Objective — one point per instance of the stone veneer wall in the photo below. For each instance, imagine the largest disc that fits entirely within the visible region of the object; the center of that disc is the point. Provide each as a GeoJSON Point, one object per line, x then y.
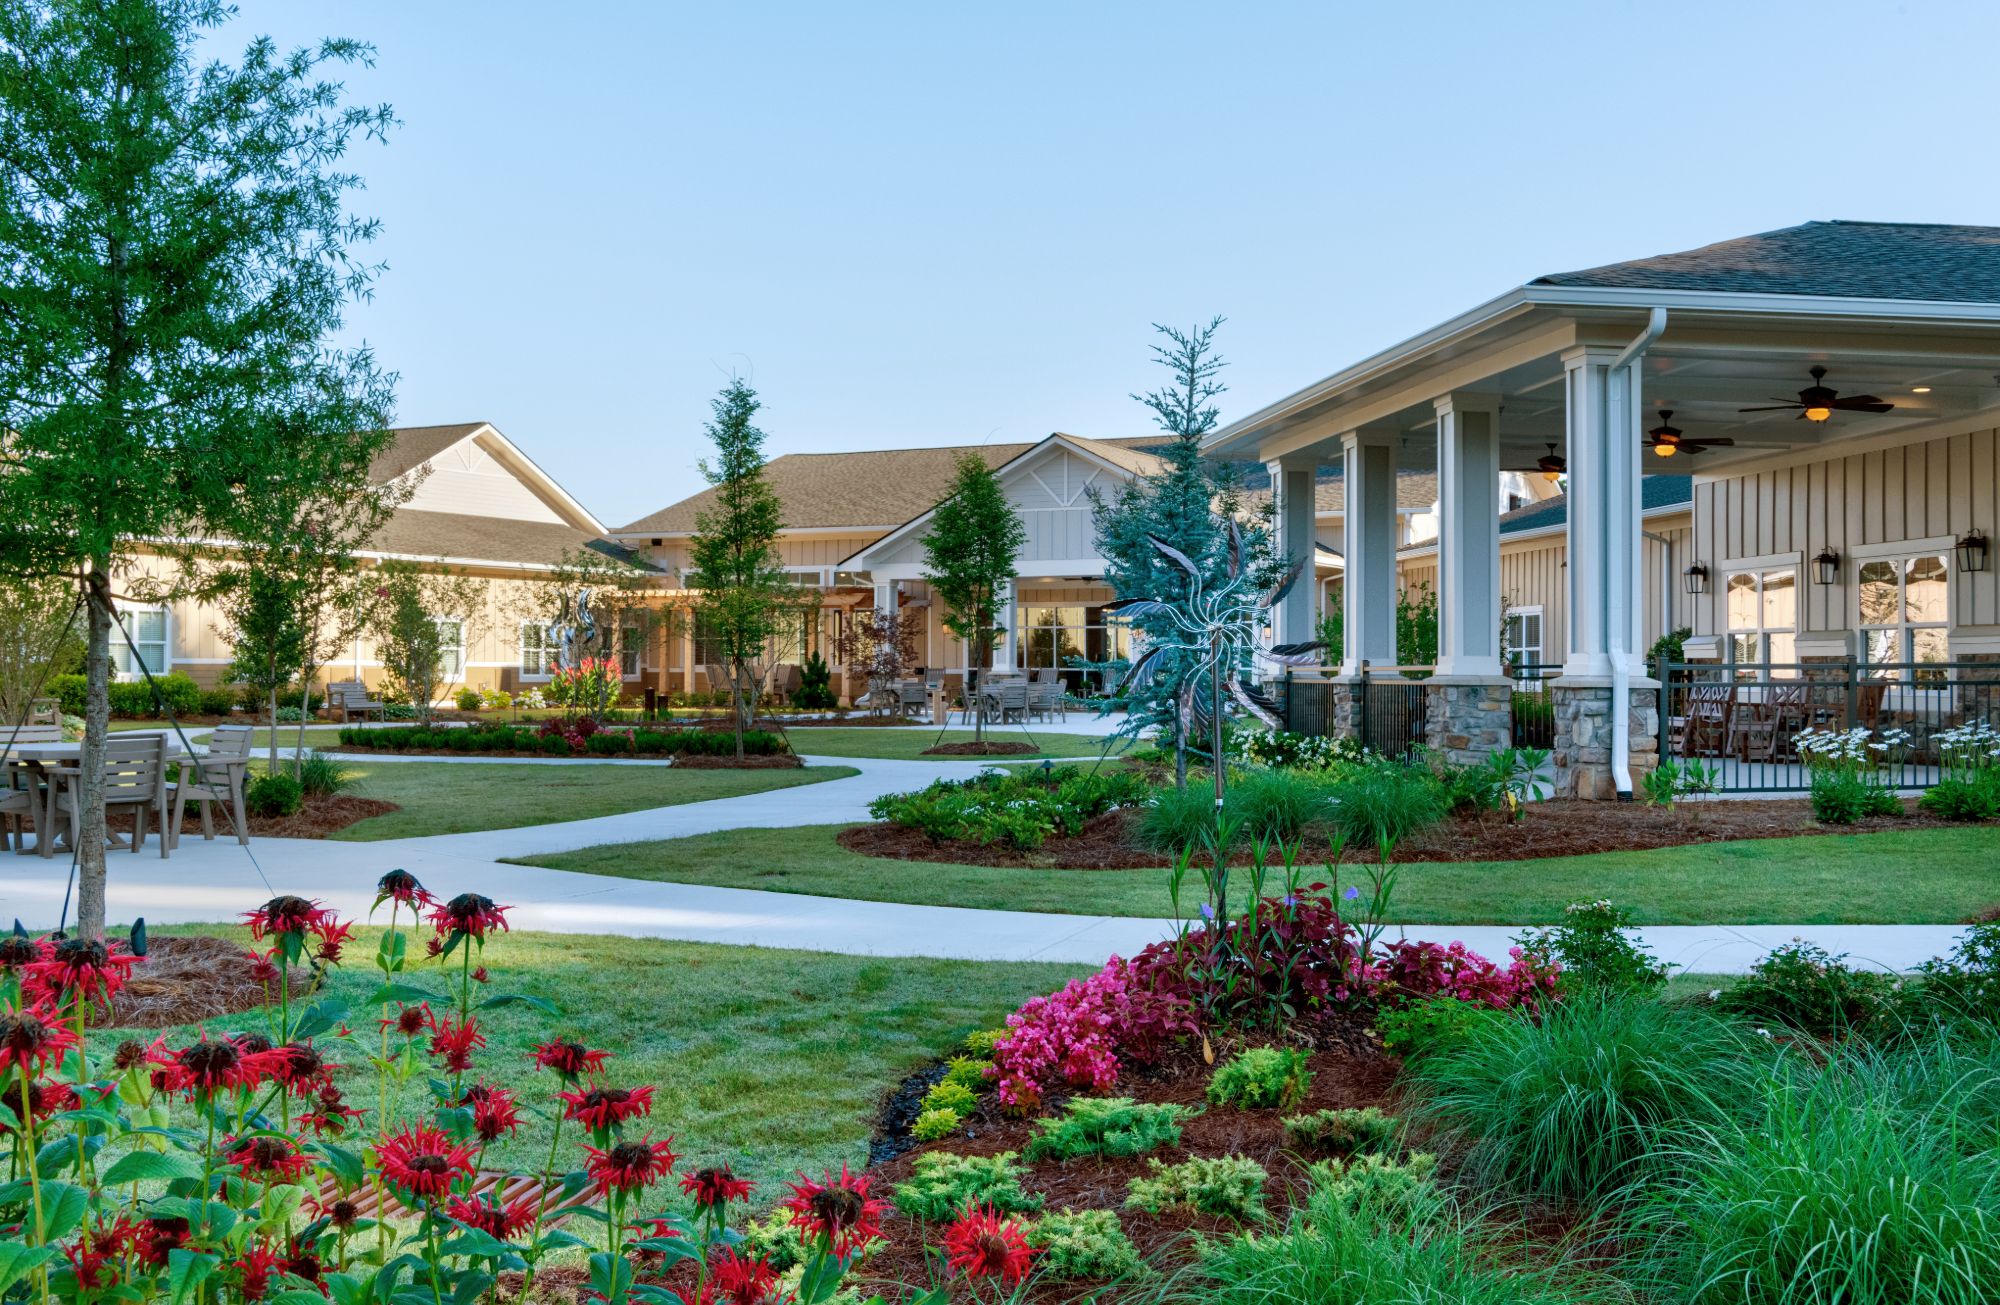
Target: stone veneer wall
{"type": "Point", "coordinates": [1469, 721]}
{"type": "Point", "coordinates": [1582, 753]}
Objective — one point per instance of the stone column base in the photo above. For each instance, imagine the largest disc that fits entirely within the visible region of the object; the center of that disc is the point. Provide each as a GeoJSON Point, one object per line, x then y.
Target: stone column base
{"type": "Point", "coordinates": [1468, 718]}
{"type": "Point", "coordinates": [1582, 754]}
{"type": "Point", "coordinates": [1346, 713]}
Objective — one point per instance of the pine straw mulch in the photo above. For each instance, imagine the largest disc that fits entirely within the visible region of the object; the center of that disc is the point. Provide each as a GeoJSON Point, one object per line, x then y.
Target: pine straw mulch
{"type": "Point", "coordinates": [196, 977]}
{"type": "Point", "coordinates": [1555, 828]}
{"type": "Point", "coordinates": [700, 761]}
{"type": "Point", "coordinates": [990, 748]}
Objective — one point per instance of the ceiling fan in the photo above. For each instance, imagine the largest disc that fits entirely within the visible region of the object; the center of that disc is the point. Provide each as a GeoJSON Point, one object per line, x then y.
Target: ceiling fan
{"type": "Point", "coordinates": [1665, 440]}
{"type": "Point", "coordinates": [1551, 465]}
{"type": "Point", "coordinates": [1817, 403]}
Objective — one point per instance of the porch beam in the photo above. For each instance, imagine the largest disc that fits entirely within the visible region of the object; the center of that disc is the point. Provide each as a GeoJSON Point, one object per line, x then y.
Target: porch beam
{"type": "Point", "coordinates": [1469, 536]}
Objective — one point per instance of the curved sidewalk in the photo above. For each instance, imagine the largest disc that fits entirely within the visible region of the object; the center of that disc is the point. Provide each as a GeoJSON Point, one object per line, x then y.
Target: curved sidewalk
{"type": "Point", "coordinates": [217, 881]}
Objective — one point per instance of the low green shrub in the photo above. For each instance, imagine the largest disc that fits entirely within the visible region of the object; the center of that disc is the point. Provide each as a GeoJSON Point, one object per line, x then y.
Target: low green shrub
{"type": "Point", "coordinates": [1231, 1186]}
{"type": "Point", "coordinates": [1004, 808]}
{"type": "Point", "coordinates": [273, 795]}
{"type": "Point", "coordinates": [1596, 950]}
{"type": "Point", "coordinates": [320, 775]}
{"type": "Point", "coordinates": [1377, 1180]}
{"type": "Point", "coordinates": [172, 693]}
{"type": "Point", "coordinates": [1277, 806]}
{"type": "Point", "coordinates": [776, 1240]}
{"type": "Point", "coordinates": [1261, 1078]}
{"type": "Point", "coordinates": [1084, 1244]}
{"type": "Point", "coordinates": [217, 702]}
{"type": "Point", "coordinates": [1964, 799]}
{"type": "Point", "coordinates": [467, 699]}
{"type": "Point", "coordinates": [980, 1042]}
{"type": "Point", "coordinates": [69, 690]}
{"type": "Point", "coordinates": [1107, 1126]}
{"type": "Point", "coordinates": [935, 1123]}
{"type": "Point", "coordinates": [1417, 1028]}
{"type": "Point", "coordinates": [1963, 985]}
{"type": "Point", "coordinates": [609, 743]}
{"type": "Point", "coordinates": [1381, 804]}
{"type": "Point", "coordinates": [1176, 819]}
{"type": "Point", "coordinates": [1581, 1100]}
{"type": "Point", "coordinates": [1344, 1132]}
{"type": "Point", "coordinates": [1290, 751]}
{"type": "Point", "coordinates": [1841, 797]}
{"type": "Point", "coordinates": [1804, 987]}
{"type": "Point", "coordinates": [941, 1185]}
{"type": "Point", "coordinates": [968, 1072]}
{"type": "Point", "coordinates": [951, 1096]}
{"type": "Point", "coordinates": [556, 745]}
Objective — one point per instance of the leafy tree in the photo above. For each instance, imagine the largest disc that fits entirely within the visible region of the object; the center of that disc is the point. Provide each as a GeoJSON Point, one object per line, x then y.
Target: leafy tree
{"type": "Point", "coordinates": [261, 610]}
{"type": "Point", "coordinates": [411, 604]}
{"type": "Point", "coordinates": [1417, 626]}
{"type": "Point", "coordinates": [969, 558]}
{"type": "Point", "coordinates": [741, 589]}
{"type": "Point", "coordinates": [178, 252]}
{"type": "Point", "coordinates": [40, 636]}
{"type": "Point", "coordinates": [881, 645]}
{"type": "Point", "coordinates": [1187, 504]}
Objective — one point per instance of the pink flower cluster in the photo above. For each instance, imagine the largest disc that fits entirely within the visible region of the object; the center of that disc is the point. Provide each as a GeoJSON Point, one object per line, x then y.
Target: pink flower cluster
{"type": "Point", "coordinates": [1410, 971]}
{"type": "Point", "coordinates": [1077, 1034]}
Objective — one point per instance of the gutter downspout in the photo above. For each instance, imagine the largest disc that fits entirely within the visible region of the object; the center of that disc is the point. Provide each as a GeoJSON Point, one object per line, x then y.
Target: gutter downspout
{"type": "Point", "coordinates": [1617, 601]}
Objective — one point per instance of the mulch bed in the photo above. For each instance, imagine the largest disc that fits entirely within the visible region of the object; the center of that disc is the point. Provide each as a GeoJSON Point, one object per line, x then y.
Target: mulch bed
{"type": "Point", "coordinates": [988, 749]}
{"type": "Point", "coordinates": [702, 761]}
{"type": "Point", "coordinates": [1556, 828]}
{"type": "Point", "coordinates": [185, 979]}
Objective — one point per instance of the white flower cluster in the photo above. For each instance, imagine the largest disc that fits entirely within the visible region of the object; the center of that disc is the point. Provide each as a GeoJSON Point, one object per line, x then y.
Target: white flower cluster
{"type": "Point", "coordinates": [532, 699]}
{"type": "Point", "coordinates": [1971, 746]}
{"type": "Point", "coordinates": [1857, 747]}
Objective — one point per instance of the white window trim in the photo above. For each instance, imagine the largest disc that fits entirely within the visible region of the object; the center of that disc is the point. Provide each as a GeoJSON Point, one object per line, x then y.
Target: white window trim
{"type": "Point", "coordinates": [521, 663]}
{"type": "Point", "coordinates": [457, 676]}
{"type": "Point", "coordinates": [638, 653]}
{"type": "Point", "coordinates": [1934, 545]}
{"type": "Point", "coordinates": [1541, 644]}
{"type": "Point", "coordinates": [1938, 546]}
{"type": "Point", "coordinates": [1795, 563]}
{"type": "Point", "coordinates": [166, 639]}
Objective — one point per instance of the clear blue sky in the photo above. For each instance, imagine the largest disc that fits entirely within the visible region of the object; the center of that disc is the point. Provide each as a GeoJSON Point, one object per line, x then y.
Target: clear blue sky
{"type": "Point", "coordinates": [944, 223]}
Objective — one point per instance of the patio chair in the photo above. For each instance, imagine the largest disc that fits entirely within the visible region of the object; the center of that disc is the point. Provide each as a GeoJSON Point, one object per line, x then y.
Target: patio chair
{"type": "Point", "coordinates": [1045, 699]}
{"type": "Point", "coordinates": [45, 711]}
{"type": "Point", "coordinates": [1705, 726]}
{"type": "Point", "coordinates": [135, 777]}
{"type": "Point", "coordinates": [1008, 701]}
{"type": "Point", "coordinates": [20, 797]}
{"type": "Point", "coordinates": [912, 697]}
{"type": "Point", "coordinates": [785, 680]}
{"type": "Point", "coordinates": [216, 776]}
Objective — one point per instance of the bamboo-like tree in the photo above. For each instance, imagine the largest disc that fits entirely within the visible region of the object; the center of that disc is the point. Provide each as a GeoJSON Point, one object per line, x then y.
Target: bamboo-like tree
{"type": "Point", "coordinates": [742, 591]}
{"type": "Point", "coordinates": [970, 554]}
{"type": "Point", "coordinates": [178, 251]}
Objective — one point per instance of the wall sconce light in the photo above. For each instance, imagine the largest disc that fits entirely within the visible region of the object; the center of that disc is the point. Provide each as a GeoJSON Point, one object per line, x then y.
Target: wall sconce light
{"type": "Point", "coordinates": [1826, 567]}
{"type": "Point", "coordinates": [1695, 578]}
{"type": "Point", "coordinates": [1971, 550]}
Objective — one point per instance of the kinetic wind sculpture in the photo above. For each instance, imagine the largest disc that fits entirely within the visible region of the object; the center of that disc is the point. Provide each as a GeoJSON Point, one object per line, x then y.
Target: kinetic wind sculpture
{"type": "Point", "coordinates": [1210, 638]}
{"type": "Point", "coordinates": [573, 621]}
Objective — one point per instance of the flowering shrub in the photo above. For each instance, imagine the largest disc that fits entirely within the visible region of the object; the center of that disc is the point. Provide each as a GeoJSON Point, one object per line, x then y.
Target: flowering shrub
{"type": "Point", "coordinates": [1593, 947]}
{"type": "Point", "coordinates": [1420, 970]}
{"type": "Point", "coordinates": [589, 686]}
{"type": "Point", "coordinates": [1849, 771]}
{"type": "Point", "coordinates": [1009, 809]}
{"type": "Point", "coordinates": [1077, 1034]}
{"type": "Point", "coordinates": [1290, 751]}
{"type": "Point", "coordinates": [1804, 987]}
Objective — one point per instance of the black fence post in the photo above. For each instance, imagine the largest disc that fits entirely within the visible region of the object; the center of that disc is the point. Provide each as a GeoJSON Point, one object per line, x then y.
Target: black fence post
{"type": "Point", "coordinates": [1361, 724]}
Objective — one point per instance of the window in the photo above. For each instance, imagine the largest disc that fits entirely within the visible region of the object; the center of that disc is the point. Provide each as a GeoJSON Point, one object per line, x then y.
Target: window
{"type": "Point", "coordinates": [707, 643]}
{"type": "Point", "coordinates": [631, 642]}
{"type": "Point", "coordinates": [146, 628]}
{"type": "Point", "coordinates": [1055, 636]}
{"type": "Point", "coordinates": [1522, 636]}
{"type": "Point", "coordinates": [1763, 612]}
{"type": "Point", "coordinates": [1903, 613]}
{"type": "Point", "coordinates": [538, 649]}
{"type": "Point", "coordinates": [451, 647]}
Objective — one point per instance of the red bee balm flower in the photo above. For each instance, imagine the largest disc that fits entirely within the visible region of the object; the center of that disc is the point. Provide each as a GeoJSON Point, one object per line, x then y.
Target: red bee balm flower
{"type": "Point", "coordinates": [209, 1067]}
{"type": "Point", "coordinates": [744, 1281]}
{"type": "Point", "coordinates": [838, 1209]}
{"type": "Point", "coordinates": [44, 1099]}
{"type": "Point", "coordinates": [423, 1161]}
{"type": "Point", "coordinates": [714, 1187]}
{"type": "Point", "coordinates": [266, 1157]}
{"type": "Point", "coordinates": [92, 1254]}
{"type": "Point", "coordinates": [286, 915]}
{"type": "Point", "coordinates": [570, 1059]}
{"type": "Point", "coordinates": [454, 1043]}
{"type": "Point", "coordinates": [493, 1111]}
{"type": "Point", "coordinates": [154, 1238]}
{"type": "Point", "coordinates": [332, 935]}
{"type": "Point", "coordinates": [257, 1267]}
{"type": "Point", "coordinates": [469, 914]}
{"type": "Point", "coordinates": [604, 1108]}
{"type": "Point", "coordinates": [483, 1213]}
{"type": "Point", "coordinates": [629, 1166]}
{"type": "Point", "coordinates": [31, 1037]}
{"type": "Point", "coordinates": [402, 886]}
{"type": "Point", "coordinates": [410, 1020]}
{"type": "Point", "coordinates": [981, 1244]}
{"type": "Point", "coordinates": [299, 1068]}
{"type": "Point", "coordinates": [77, 967]}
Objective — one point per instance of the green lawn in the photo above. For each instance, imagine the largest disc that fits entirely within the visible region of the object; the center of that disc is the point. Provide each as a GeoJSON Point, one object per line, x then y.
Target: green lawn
{"type": "Point", "coordinates": [445, 798]}
{"type": "Point", "coordinates": [1923, 876]}
{"type": "Point", "coordinates": [770, 1060]}
{"type": "Point", "coordinates": [907, 744]}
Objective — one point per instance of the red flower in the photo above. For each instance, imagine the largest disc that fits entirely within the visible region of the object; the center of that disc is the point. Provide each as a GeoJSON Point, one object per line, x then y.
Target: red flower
{"type": "Point", "coordinates": [454, 1043]}
{"type": "Point", "coordinates": [44, 1099]}
{"type": "Point", "coordinates": [479, 974]}
{"type": "Point", "coordinates": [155, 1237]}
{"type": "Point", "coordinates": [262, 970]}
{"type": "Point", "coordinates": [493, 1111]}
{"type": "Point", "coordinates": [31, 1037]}
{"type": "Point", "coordinates": [469, 914]}
{"type": "Point", "coordinates": [206, 1067]}
{"type": "Point", "coordinates": [487, 1215]}
{"type": "Point", "coordinates": [570, 1059]}
{"type": "Point", "coordinates": [286, 915]}
{"type": "Point", "coordinates": [410, 1020]}
{"type": "Point", "coordinates": [332, 935]}
{"type": "Point", "coordinates": [266, 1156]}
{"type": "Point", "coordinates": [745, 1281]}
{"type": "Point", "coordinates": [77, 968]}
{"type": "Point", "coordinates": [92, 1250]}
{"type": "Point", "coordinates": [300, 1262]}
{"type": "Point", "coordinates": [257, 1266]}
{"type": "Point", "coordinates": [423, 1161]}
{"type": "Point", "coordinates": [341, 1212]}
{"type": "Point", "coordinates": [630, 1166]}
{"type": "Point", "coordinates": [604, 1108]}
{"type": "Point", "coordinates": [331, 1115]}
{"type": "Point", "coordinates": [299, 1068]}
{"type": "Point", "coordinates": [837, 1209]}
{"type": "Point", "coordinates": [17, 952]}
{"type": "Point", "coordinates": [401, 886]}
{"type": "Point", "coordinates": [697, 1293]}
{"type": "Point", "coordinates": [981, 1244]}
{"type": "Point", "coordinates": [715, 1186]}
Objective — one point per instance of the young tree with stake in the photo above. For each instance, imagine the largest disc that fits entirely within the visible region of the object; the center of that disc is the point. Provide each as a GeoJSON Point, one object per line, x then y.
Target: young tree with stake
{"type": "Point", "coordinates": [178, 253]}
{"type": "Point", "coordinates": [970, 553]}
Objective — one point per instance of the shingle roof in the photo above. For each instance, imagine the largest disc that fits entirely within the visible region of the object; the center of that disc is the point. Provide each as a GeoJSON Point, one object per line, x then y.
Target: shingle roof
{"type": "Point", "coordinates": [879, 487]}
{"type": "Point", "coordinates": [414, 445]}
{"type": "Point", "coordinates": [413, 533]}
{"type": "Point", "coordinates": [1654, 492]}
{"type": "Point", "coordinates": [1867, 260]}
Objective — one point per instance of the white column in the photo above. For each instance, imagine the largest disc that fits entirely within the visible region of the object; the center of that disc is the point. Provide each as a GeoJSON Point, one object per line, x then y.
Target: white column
{"type": "Point", "coordinates": [885, 596]}
{"type": "Point", "coordinates": [1003, 647]}
{"type": "Point", "coordinates": [1368, 551]}
{"type": "Point", "coordinates": [1607, 581]}
{"type": "Point", "coordinates": [1292, 485]}
{"type": "Point", "coordinates": [1468, 536]}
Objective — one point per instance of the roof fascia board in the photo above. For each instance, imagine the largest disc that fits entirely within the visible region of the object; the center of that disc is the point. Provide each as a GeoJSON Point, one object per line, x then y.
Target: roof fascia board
{"type": "Point", "coordinates": [785, 532]}
{"type": "Point", "coordinates": [1545, 532]}
{"type": "Point", "coordinates": [544, 485]}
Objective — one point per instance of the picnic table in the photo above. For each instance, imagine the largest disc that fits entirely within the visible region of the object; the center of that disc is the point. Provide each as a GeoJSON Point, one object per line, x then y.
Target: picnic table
{"type": "Point", "coordinates": [52, 765]}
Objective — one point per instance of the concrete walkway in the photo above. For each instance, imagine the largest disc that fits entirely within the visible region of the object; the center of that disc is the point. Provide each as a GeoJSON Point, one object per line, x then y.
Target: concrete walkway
{"type": "Point", "coordinates": [216, 881]}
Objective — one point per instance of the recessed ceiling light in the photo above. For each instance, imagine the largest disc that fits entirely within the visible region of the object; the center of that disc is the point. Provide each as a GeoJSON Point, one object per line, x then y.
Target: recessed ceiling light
{"type": "Point", "coordinates": [1920, 389]}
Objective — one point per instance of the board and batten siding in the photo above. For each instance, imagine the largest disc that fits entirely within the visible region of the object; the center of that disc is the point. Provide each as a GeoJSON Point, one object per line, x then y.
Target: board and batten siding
{"type": "Point", "coordinates": [1926, 489]}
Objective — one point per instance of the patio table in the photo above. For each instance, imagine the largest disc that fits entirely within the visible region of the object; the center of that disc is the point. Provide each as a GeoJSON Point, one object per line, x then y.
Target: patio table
{"type": "Point", "coordinates": [47, 761]}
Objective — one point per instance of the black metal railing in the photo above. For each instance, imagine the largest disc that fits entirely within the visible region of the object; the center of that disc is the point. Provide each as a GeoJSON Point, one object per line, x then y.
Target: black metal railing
{"type": "Point", "coordinates": [1533, 709]}
{"type": "Point", "coordinates": [1746, 719]}
{"type": "Point", "coordinates": [1392, 711]}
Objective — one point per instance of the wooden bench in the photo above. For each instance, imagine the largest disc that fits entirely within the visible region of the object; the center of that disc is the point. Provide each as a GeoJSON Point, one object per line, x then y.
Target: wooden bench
{"type": "Point", "coordinates": [350, 696]}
